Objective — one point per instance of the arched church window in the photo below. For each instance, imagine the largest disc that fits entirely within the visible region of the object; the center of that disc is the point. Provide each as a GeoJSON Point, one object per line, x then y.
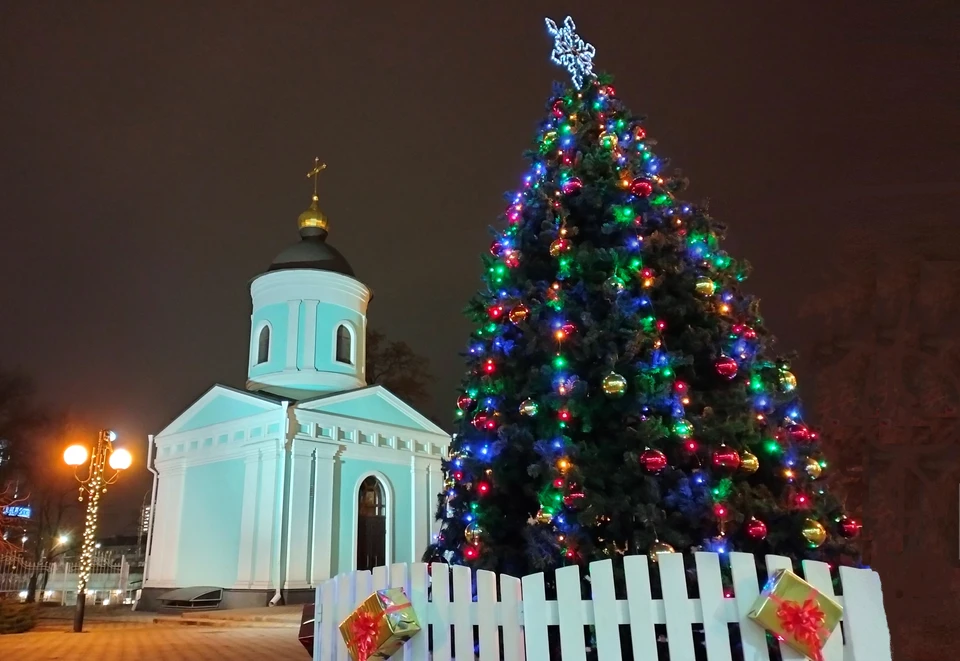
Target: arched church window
{"type": "Point", "coordinates": [263, 345]}
{"type": "Point", "coordinates": [371, 525]}
{"type": "Point", "coordinates": [344, 345]}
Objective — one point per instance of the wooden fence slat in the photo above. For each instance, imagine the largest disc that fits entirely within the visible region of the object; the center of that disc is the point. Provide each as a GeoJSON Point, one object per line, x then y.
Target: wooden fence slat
{"type": "Point", "coordinates": [487, 611]}
{"type": "Point", "coordinates": [746, 589]}
{"type": "Point", "coordinates": [398, 577]}
{"type": "Point", "coordinates": [418, 648]}
{"type": "Point", "coordinates": [817, 574]}
{"type": "Point", "coordinates": [864, 620]}
{"type": "Point", "coordinates": [347, 601]}
{"type": "Point", "coordinates": [511, 597]}
{"type": "Point", "coordinates": [604, 596]}
{"type": "Point", "coordinates": [570, 611]}
{"type": "Point", "coordinates": [381, 579]}
{"type": "Point", "coordinates": [325, 626]}
{"type": "Point", "coordinates": [714, 607]}
{"type": "Point", "coordinates": [775, 562]}
{"type": "Point", "coordinates": [676, 605]}
{"type": "Point", "coordinates": [462, 621]}
{"type": "Point", "coordinates": [535, 617]}
{"type": "Point", "coordinates": [643, 633]}
{"type": "Point", "coordinates": [441, 612]}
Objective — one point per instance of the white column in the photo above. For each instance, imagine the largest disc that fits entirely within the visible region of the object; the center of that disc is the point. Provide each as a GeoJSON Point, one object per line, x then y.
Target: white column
{"type": "Point", "coordinates": [269, 499]}
{"type": "Point", "coordinates": [293, 333]}
{"type": "Point", "coordinates": [298, 551]}
{"type": "Point", "coordinates": [422, 516]}
{"type": "Point", "coordinates": [167, 525]}
{"type": "Point", "coordinates": [434, 487]}
{"type": "Point", "coordinates": [248, 520]}
{"type": "Point", "coordinates": [309, 338]}
{"type": "Point", "coordinates": [324, 491]}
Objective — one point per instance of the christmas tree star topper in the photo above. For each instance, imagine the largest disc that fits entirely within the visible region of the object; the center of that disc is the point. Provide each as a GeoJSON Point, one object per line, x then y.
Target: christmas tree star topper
{"type": "Point", "coordinates": [571, 51]}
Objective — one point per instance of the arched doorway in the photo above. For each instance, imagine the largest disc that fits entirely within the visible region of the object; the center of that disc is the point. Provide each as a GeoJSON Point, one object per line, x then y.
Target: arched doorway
{"type": "Point", "coordinates": [371, 525]}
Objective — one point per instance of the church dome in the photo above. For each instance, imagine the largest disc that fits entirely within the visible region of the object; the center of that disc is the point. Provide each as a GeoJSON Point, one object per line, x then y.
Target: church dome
{"type": "Point", "coordinates": [312, 252]}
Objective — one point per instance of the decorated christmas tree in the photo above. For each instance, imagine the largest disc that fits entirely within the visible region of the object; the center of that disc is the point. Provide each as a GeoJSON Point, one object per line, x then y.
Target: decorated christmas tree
{"type": "Point", "coordinates": [622, 393]}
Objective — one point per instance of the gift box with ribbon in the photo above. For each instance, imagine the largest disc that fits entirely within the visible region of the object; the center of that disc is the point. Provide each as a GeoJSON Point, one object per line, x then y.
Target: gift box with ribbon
{"type": "Point", "coordinates": [379, 626]}
{"type": "Point", "coordinates": [797, 613]}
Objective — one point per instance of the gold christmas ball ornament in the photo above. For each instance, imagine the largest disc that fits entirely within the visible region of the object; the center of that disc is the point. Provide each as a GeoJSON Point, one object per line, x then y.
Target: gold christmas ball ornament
{"type": "Point", "coordinates": [519, 313]}
{"type": "Point", "coordinates": [472, 533]}
{"type": "Point", "coordinates": [657, 548]}
{"type": "Point", "coordinates": [609, 140]}
{"type": "Point", "coordinates": [528, 407]}
{"type": "Point", "coordinates": [559, 246]}
{"type": "Point", "coordinates": [749, 463]}
{"type": "Point", "coordinates": [787, 381]}
{"type": "Point", "coordinates": [705, 286]}
{"type": "Point", "coordinates": [812, 468]}
{"type": "Point", "coordinates": [814, 533]}
{"type": "Point", "coordinates": [614, 384]}
{"type": "Point", "coordinates": [544, 516]}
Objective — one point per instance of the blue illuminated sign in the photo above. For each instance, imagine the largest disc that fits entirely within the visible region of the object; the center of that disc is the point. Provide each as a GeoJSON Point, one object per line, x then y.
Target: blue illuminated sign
{"type": "Point", "coordinates": [16, 511]}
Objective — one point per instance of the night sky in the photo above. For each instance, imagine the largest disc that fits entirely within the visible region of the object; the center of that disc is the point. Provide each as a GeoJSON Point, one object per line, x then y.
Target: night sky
{"type": "Point", "coordinates": [153, 160]}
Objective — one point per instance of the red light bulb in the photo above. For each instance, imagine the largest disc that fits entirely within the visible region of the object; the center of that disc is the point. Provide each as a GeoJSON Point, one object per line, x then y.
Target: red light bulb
{"type": "Point", "coordinates": [483, 488]}
{"type": "Point", "coordinates": [471, 552]}
{"type": "Point", "coordinates": [489, 366]}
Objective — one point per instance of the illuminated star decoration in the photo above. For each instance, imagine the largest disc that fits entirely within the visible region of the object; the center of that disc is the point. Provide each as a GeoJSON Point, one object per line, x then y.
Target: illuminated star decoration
{"type": "Point", "coordinates": [571, 51]}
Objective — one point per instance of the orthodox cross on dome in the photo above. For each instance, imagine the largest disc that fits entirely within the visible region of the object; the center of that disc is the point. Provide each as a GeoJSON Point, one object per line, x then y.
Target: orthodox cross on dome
{"type": "Point", "coordinates": [315, 174]}
{"type": "Point", "coordinates": [571, 51]}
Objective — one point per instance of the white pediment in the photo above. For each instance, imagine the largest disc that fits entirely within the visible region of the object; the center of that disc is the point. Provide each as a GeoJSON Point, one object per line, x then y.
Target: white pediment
{"type": "Point", "coordinates": [218, 405]}
{"type": "Point", "coordinates": [373, 404]}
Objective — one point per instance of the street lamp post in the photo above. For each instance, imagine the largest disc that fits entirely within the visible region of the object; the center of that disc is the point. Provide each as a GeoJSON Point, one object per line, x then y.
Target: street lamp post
{"type": "Point", "coordinates": [92, 486]}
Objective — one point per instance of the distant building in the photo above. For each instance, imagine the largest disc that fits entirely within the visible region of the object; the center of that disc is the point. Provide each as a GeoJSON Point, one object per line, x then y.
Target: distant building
{"type": "Point", "coordinates": [144, 526]}
{"type": "Point", "coordinates": [263, 493]}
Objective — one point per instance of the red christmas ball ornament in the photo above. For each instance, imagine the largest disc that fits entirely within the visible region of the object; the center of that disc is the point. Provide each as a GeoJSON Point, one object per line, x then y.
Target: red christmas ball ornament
{"type": "Point", "coordinates": [568, 329]}
{"type": "Point", "coordinates": [480, 420]}
{"type": "Point", "coordinates": [512, 260]}
{"type": "Point", "coordinates": [726, 457]}
{"type": "Point", "coordinates": [755, 529]}
{"type": "Point", "coordinates": [749, 334]}
{"type": "Point", "coordinates": [464, 403]}
{"type": "Point", "coordinates": [641, 187]}
{"type": "Point", "coordinates": [726, 367]}
{"type": "Point", "coordinates": [558, 109]}
{"type": "Point", "coordinates": [571, 186]}
{"type": "Point", "coordinates": [496, 248]}
{"type": "Point", "coordinates": [848, 527]}
{"type": "Point", "coordinates": [737, 329]}
{"type": "Point", "coordinates": [639, 133]}
{"type": "Point", "coordinates": [495, 311]}
{"type": "Point", "coordinates": [653, 461]}
{"type": "Point", "coordinates": [799, 433]}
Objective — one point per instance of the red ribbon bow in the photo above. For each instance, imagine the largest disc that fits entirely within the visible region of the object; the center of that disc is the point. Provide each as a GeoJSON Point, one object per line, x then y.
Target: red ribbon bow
{"type": "Point", "coordinates": [365, 627]}
{"type": "Point", "coordinates": [804, 621]}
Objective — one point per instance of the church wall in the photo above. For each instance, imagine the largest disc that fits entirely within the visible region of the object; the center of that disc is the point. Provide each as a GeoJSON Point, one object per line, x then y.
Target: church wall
{"type": "Point", "coordinates": [210, 527]}
{"type": "Point", "coordinates": [278, 316]}
{"type": "Point", "coordinates": [329, 317]}
{"type": "Point", "coordinates": [399, 492]}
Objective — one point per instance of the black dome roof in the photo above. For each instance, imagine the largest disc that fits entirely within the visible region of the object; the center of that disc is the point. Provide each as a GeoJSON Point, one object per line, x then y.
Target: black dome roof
{"type": "Point", "coordinates": [312, 252]}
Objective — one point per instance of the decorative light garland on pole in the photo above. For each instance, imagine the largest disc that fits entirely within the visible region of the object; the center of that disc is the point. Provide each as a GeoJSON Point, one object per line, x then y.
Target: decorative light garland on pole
{"type": "Point", "coordinates": [93, 486]}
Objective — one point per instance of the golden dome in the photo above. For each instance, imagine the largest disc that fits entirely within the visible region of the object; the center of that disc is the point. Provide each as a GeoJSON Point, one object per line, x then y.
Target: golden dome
{"type": "Point", "coordinates": [312, 218]}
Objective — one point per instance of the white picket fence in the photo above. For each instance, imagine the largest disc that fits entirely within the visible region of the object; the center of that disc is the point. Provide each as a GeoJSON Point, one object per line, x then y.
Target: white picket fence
{"type": "Point", "coordinates": [522, 615]}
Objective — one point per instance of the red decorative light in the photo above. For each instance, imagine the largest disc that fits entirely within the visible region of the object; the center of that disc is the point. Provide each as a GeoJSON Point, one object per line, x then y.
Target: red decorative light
{"type": "Point", "coordinates": [849, 527]}
{"type": "Point", "coordinates": [755, 529]}
{"type": "Point", "coordinates": [458, 475]}
{"type": "Point", "coordinates": [495, 311]}
{"type": "Point", "coordinates": [571, 553]}
{"type": "Point", "coordinates": [737, 328]}
{"type": "Point", "coordinates": [489, 366]}
{"type": "Point", "coordinates": [726, 457]}
{"type": "Point", "coordinates": [483, 488]}
{"type": "Point", "coordinates": [648, 273]}
{"type": "Point", "coordinates": [653, 461]}
{"type": "Point", "coordinates": [726, 367]}
{"type": "Point", "coordinates": [719, 510]}
{"type": "Point", "coordinates": [558, 483]}
{"type": "Point", "coordinates": [471, 552]}
{"type": "Point", "coordinates": [641, 187]}
{"type": "Point", "coordinates": [680, 387]}
{"type": "Point", "coordinates": [690, 445]}
{"type": "Point", "coordinates": [661, 325]}
{"type": "Point", "coordinates": [563, 414]}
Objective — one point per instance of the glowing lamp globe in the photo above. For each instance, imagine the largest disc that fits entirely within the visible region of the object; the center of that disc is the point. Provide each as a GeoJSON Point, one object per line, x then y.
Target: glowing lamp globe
{"type": "Point", "coordinates": [120, 460]}
{"type": "Point", "coordinates": [75, 455]}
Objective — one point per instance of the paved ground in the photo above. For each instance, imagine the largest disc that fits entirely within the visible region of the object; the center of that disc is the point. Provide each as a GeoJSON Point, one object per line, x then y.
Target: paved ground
{"type": "Point", "coordinates": [142, 641]}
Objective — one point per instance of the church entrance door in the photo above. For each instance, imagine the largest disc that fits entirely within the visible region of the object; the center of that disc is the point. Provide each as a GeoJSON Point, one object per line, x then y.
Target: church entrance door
{"type": "Point", "coordinates": [371, 525]}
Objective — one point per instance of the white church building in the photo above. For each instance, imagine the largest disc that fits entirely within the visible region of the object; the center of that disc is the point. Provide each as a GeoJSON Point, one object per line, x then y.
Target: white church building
{"type": "Point", "coordinates": [260, 494]}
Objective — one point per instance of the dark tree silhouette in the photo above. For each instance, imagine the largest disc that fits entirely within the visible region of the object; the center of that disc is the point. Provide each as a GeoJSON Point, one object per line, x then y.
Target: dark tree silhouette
{"type": "Point", "coordinates": [396, 366]}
